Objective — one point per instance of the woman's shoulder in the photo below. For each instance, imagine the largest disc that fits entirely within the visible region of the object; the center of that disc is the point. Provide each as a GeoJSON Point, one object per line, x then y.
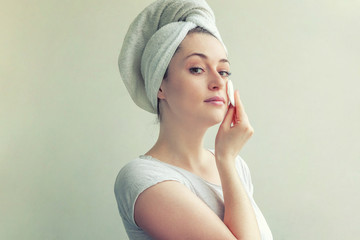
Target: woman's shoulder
{"type": "Point", "coordinates": [135, 177]}
{"type": "Point", "coordinates": [143, 166]}
{"type": "Point", "coordinates": [142, 172]}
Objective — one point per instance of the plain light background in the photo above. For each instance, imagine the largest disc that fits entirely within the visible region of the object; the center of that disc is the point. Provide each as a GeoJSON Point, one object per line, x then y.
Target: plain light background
{"type": "Point", "coordinates": [67, 123]}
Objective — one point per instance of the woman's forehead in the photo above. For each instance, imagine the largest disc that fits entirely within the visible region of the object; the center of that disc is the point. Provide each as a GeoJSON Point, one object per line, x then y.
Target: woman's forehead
{"type": "Point", "coordinates": [201, 45]}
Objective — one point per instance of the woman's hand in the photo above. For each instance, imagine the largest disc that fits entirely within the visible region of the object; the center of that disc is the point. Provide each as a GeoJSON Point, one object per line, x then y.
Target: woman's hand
{"type": "Point", "coordinates": [234, 131]}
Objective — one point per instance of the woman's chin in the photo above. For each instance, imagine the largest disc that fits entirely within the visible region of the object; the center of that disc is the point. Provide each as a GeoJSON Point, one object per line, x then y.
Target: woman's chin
{"type": "Point", "coordinates": [216, 119]}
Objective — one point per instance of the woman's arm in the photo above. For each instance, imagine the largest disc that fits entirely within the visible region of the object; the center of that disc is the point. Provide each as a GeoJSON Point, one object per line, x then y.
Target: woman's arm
{"type": "Point", "coordinates": [169, 210]}
{"type": "Point", "coordinates": [233, 133]}
{"type": "Point", "coordinates": [239, 215]}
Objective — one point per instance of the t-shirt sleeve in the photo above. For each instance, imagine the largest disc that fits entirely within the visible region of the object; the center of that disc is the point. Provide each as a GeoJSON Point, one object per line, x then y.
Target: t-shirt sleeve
{"type": "Point", "coordinates": [134, 178]}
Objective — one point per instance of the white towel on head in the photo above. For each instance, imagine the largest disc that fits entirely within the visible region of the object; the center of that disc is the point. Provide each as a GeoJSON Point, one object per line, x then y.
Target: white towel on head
{"type": "Point", "coordinates": [151, 41]}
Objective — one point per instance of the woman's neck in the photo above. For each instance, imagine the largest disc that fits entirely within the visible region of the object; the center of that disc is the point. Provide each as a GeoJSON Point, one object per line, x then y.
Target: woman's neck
{"type": "Point", "coordinates": [181, 145]}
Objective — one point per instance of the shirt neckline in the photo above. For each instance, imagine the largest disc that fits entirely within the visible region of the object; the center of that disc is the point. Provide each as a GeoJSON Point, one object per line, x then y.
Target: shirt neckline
{"type": "Point", "coordinates": [148, 157]}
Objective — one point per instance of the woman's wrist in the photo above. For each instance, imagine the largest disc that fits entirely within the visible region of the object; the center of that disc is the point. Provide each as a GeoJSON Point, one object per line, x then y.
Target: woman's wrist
{"type": "Point", "coordinates": [225, 163]}
{"type": "Point", "coordinates": [224, 158]}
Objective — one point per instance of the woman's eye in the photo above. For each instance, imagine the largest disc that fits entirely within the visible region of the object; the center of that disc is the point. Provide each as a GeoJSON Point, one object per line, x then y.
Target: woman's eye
{"type": "Point", "coordinates": [196, 70]}
{"type": "Point", "coordinates": [225, 73]}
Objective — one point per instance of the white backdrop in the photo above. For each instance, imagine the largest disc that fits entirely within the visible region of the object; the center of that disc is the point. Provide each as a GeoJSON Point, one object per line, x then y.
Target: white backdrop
{"type": "Point", "coordinates": [67, 123]}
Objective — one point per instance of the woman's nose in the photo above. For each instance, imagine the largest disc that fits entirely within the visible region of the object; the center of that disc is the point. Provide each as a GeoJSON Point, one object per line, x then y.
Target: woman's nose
{"type": "Point", "coordinates": [216, 81]}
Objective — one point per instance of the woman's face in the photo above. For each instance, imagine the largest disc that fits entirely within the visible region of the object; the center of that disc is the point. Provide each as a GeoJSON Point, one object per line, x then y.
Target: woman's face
{"type": "Point", "coordinates": [195, 88]}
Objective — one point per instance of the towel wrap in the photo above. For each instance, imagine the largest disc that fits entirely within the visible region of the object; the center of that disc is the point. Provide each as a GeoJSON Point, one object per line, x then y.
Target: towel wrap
{"type": "Point", "coordinates": [152, 40]}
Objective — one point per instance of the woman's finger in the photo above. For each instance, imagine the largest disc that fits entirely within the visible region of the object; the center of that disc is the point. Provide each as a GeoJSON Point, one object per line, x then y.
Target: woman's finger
{"type": "Point", "coordinates": [240, 111]}
{"type": "Point", "coordinates": [228, 117]}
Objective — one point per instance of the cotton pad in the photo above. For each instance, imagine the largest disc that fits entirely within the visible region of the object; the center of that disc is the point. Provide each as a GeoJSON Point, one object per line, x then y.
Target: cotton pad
{"type": "Point", "coordinates": [230, 92]}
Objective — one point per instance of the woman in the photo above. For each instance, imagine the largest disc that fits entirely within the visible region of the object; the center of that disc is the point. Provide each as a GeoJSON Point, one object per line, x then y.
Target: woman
{"type": "Point", "coordinates": [179, 189]}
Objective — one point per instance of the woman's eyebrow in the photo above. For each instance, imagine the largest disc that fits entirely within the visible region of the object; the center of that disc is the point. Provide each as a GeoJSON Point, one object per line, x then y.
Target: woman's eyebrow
{"type": "Point", "coordinates": [205, 57]}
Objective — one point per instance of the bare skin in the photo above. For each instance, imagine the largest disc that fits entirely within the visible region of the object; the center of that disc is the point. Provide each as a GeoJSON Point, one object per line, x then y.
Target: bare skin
{"type": "Point", "coordinates": [169, 210]}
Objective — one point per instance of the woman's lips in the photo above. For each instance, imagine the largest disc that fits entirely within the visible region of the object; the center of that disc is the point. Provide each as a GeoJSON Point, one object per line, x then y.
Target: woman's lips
{"type": "Point", "coordinates": [219, 101]}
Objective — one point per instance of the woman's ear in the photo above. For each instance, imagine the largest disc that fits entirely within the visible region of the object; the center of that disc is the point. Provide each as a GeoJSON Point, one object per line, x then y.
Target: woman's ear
{"type": "Point", "coordinates": [161, 94]}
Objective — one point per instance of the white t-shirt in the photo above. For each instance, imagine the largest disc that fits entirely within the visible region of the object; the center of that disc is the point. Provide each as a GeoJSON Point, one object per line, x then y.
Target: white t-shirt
{"type": "Point", "coordinates": [145, 171]}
